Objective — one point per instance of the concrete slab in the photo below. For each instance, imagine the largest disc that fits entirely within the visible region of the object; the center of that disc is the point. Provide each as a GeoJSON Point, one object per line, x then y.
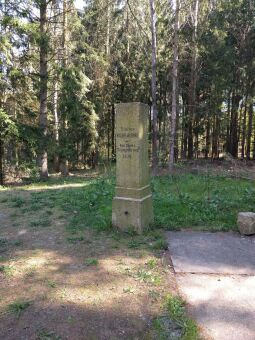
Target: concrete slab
{"type": "Point", "coordinates": [224, 306]}
{"type": "Point", "coordinates": [216, 276]}
{"type": "Point", "coordinates": [204, 252]}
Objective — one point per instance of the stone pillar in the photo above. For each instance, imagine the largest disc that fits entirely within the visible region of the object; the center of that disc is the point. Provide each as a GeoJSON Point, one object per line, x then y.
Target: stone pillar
{"type": "Point", "coordinates": [132, 205]}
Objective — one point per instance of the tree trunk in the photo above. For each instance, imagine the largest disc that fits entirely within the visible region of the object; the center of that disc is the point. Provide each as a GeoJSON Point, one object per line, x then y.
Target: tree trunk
{"type": "Point", "coordinates": [113, 133]}
{"type": "Point", "coordinates": [64, 162]}
{"type": "Point", "coordinates": [249, 131]}
{"type": "Point", "coordinates": [244, 128]}
{"type": "Point", "coordinates": [233, 134]}
{"type": "Point", "coordinates": [207, 138]}
{"type": "Point", "coordinates": [1, 162]}
{"type": "Point", "coordinates": [55, 91]}
{"type": "Point", "coordinates": [174, 87]}
{"type": "Point", "coordinates": [193, 81]}
{"type": "Point", "coordinates": [154, 90]}
{"type": "Point", "coordinates": [56, 123]}
{"type": "Point", "coordinates": [43, 123]}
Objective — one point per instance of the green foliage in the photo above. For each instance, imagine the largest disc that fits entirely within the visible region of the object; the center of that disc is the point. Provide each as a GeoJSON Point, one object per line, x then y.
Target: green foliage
{"type": "Point", "coordinates": [18, 306]}
{"type": "Point", "coordinates": [182, 201]}
{"type": "Point", "coordinates": [77, 112]}
{"type": "Point", "coordinates": [8, 128]}
{"type": "Point", "coordinates": [176, 310]}
{"type": "Point", "coordinates": [206, 202]}
{"type": "Point", "coordinates": [91, 262]}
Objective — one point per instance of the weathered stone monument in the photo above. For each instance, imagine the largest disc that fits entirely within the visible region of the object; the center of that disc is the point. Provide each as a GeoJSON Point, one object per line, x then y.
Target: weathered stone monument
{"type": "Point", "coordinates": [246, 223]}
{"type": "Point", "coordinates": [132, 205]}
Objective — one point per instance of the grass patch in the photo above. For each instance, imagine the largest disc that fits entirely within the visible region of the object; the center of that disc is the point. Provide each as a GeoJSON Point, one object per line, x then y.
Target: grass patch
{"type": "Point", "coordinates": [176, 309]}
{"type": "Point", "coordinates": [17, 202]}
{"type": "Point", "coordinates": [43, 222]}
{"type": "Point", "coordinates": [180, 201]}
{"type": "Point", "coordinates": [75, 239]}
{"type": "Point", "coordinates": [3, 242]}
{"type": "Point", "coordinates": [19, 306]}
{"type": "Point", "coordinates": [151, 264]}
{"type": "Point", "coordinates": [51, 284]}
{"type": "Point", "coordinates": [160, 245]}
{"type": "Point", "coordinates": [205, 202]}
{"type": "Point", "coordinates": [7, 270]}
{"type": "Point", "coordinates": [175, 322]}
{"type": "Point", "coordinates": [47, 335]}
{"type": "Point", "coordinates": [3, 258]}
{"type": "Point", "coordinates": [91, 262]}
{"type": "Point", "coordinates": [148, 277]}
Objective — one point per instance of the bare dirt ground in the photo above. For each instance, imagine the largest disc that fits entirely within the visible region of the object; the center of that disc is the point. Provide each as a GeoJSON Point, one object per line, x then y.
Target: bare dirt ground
{"type": "Point", "coordinates": [55, 286]}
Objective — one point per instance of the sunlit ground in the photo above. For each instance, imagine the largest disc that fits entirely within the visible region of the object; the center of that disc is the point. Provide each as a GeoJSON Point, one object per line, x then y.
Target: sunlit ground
{"type": "Point", "coordinates": [62, 282]}
{"type": "Point", "coordinates": [66, 274]}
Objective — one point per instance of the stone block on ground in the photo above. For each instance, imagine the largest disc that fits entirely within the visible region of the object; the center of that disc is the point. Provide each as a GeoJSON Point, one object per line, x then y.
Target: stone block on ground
{"type": "Point", "coordinates": [246, 223]}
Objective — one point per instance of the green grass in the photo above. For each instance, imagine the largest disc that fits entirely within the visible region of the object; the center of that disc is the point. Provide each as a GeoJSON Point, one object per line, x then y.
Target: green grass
{"type": "Point", "coordinates": [47, 335]}
{"type": "Point", "coordinates": [7, 270]}
{"type": "Point", "coordinates": [17, 307]}
{"type": "Point", "coordinates": [42, 222]}
{"type": "Point", "coordinates": [175, 322]}
{"type": "Point", "coordinates": [75, 239]}
{"type": "Point", "coordinates": [205, 202]}
{"type": "Point", "coordinates": [17, 202]}
{"type": "Point", "coordinates": [181, 201]}
{"type": "Point", "coordinates": [51, 284]}
{"type": "Point", "coordinates": [91, 262]}
{"type": "Point", "coordinates": [176, 310]}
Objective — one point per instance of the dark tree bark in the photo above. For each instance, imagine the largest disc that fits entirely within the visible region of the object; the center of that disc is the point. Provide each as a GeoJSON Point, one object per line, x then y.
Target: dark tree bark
{"type": "Point", "coordinates": [207, 138]}
{"type": "Point", "coordinates": [154, 90]}
{"type": "Point", "coordinates": [1, 162]}
{"type": "Point", "coordinates": [43, 121]}
{"type": "Point", "coordinates": [174, 88]}
{"type": "Point", "coordinates": [233, 132]}
{"type": "Point", "coordinates": [249, 132]}
{"type": "Point", "coordinates": [193, 80]}
{"type": "Point", "coordinates": [244, 128]}
{"type": "Point", "coordinates": [64, 162]}
{"type": "Point", "coordinates": [113, 133]}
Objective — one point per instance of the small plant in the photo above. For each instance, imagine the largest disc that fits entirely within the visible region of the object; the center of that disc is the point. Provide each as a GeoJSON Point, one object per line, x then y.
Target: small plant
{"type": "Point", "coordinates": [7, 270]}
{"type": "Point", "coordinates": [30, 272]}
{"type": "Point", "coordinates": [51, 284]}
{"type": "Point", "coordinates": [3, 258]}
{"type": "Point", "coordinates": [154, 295]}
{"type": "Point", "coordinates": [17, 243]}
{"type": "Point", "coordinates": [91, 262]}
{"type": "Point", "coordinates": [160, 245]}
{"type": "Point", "coordinates": [176, 310]}
{"type": "Point", "coordinates": [46, 335]}
{"type": "Point", "coordinates": [129, 290]}
{"type": "Point", "coordinates": [18, 306]}
{"type": "Point", "coordinates": [18, 202]}
{"type": "Point", "coordinates": [75, 239]}
{"type": "Point", "coordinates": [148, 277]}
{"type": "Point", "coordinates": [151, 264]}
{"type": "Point", "coordinates": [134, 244]}
{"type": "Point", "coordinates": [3, 242]}
{"type": "Point", "coordinates": [43, 222]}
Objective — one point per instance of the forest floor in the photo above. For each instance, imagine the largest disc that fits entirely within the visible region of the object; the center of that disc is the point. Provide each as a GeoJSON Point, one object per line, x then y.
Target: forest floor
{"type": "Point", "coordinates": [65, 274]}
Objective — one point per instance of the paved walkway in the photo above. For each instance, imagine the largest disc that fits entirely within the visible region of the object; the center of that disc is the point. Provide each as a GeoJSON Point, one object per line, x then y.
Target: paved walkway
{"type": "Point", "coordinates": [216, 275]}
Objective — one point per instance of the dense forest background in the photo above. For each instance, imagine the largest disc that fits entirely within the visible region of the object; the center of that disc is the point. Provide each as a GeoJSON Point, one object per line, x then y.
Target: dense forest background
{"type": "Point", "coordinates": [62, 70]}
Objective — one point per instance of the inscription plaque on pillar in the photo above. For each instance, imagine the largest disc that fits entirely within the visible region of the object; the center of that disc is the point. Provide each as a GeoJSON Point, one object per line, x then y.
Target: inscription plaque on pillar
{"type": "Point", "coordinates": [132, 204]}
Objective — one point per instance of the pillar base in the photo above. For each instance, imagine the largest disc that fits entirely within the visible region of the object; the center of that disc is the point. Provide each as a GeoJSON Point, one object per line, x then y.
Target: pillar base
{"type": "Point", "coordinates": [132, 213]}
